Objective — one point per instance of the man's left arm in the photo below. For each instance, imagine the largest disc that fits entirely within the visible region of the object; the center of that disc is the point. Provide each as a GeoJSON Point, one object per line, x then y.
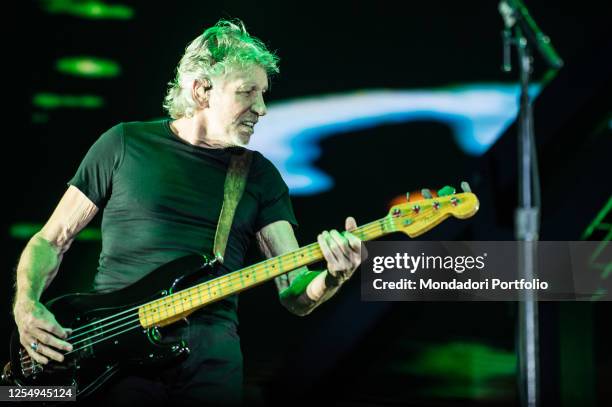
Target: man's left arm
{"type": "Point", "coordinates": [302, 290]}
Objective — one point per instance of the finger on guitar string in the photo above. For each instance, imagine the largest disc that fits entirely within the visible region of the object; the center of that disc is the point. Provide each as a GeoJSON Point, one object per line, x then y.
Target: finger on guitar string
{"type": "Point", "coordinates": [359, 250]}
{"type": "Point", "coordinates": [36, 324]}
{"type": "Point", "coordinates": [48, 352]}
{"type": "Point", "coordinates": [350, 224]}
{"type": "Point", "coordinates": [340, 246]}
{"type": "Point", "coordinates": [330, 257]}
{"type": "Point", "coordinates": [350, 247]}
{"type": "Point", "coordinates": [355, 246]}
{"type": "Point", "coordinates": [51, 341]}
{"type": "Point", "coordinates": [51, 325]}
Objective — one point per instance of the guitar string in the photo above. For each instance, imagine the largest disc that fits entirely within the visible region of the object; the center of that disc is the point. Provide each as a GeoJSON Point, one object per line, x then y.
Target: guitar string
{"type": "Point", "coordinates": [104, 339]}
{"type": "Point", "coordinates": [257, 268]}
{"type": "Point", "coordinates": [102, 326]}
{"type": "Point", "coordinates": [105, 331]}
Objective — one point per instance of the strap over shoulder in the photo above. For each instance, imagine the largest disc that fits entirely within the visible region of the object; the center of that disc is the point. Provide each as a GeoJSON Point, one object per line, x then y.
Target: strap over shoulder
{"type": "Point", "coordinates": [235, 182]}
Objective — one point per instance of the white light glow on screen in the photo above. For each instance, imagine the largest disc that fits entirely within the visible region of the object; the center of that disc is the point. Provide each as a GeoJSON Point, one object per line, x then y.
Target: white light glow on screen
{"type": "Point", "coordinates": [289, 134]}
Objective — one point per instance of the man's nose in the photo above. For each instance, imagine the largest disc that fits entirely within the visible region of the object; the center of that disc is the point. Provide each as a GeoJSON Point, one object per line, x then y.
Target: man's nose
{"type": "Point", "coordinates": [259, 106]}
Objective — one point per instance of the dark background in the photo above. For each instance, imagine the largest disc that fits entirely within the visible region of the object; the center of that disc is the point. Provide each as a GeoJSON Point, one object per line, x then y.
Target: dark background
{"type": "Point", "coordinates": [356, 353]}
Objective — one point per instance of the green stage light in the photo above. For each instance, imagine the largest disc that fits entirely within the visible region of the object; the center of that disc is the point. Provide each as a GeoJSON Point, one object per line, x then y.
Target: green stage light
{"type": "Point", "coordinates": [24, 231]}
{"type": "Point", "coordinates": [55, 101]}
{"type": "Point", "coordinates": [599, 222]}
{"type": "Point", "coordinates": [464, 360]}
{"type": "Point", "coordinates": [89, 9]}
{"type": "Point", "coordinates": [600, 229]}
{"type": "Point", "coordinates": [460, 369]}
{"type": "Point", "coordinates": [88, 67]}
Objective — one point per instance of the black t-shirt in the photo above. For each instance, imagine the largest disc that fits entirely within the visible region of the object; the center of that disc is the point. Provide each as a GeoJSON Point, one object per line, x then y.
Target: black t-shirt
{"type": "Point", "coordinates": [162, 198]}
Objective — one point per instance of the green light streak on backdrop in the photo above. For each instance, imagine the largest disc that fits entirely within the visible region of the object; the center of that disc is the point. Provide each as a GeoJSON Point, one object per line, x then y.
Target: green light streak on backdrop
{"type": "Point", "coordinates": [94, 10]}
{"type": "Point", "coordinates": [463, 370]}
{"type": "Point", "coordinates": [55, 101]}
{"type": "Point", "coordinates": [88, 67]}
{"type": "Point", "coordinates": [25, 231]}
{"type": "Point", "coordinates": [602, 224]}
{"type": "Point", "coordinates": [598, 220]}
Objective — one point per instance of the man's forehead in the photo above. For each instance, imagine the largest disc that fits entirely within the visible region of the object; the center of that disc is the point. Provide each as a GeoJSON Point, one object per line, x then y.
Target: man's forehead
{"type": "Point", "coordinates": [254, 76]}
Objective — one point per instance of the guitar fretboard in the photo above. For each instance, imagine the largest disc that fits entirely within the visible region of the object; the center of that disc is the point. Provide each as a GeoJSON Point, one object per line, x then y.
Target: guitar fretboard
{"type": "Point", "coordinates": [176, 306]}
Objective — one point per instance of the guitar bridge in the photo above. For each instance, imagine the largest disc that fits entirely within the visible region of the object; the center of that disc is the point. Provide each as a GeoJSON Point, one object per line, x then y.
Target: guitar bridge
{"type": "Point", "coordinates": [29, 367]}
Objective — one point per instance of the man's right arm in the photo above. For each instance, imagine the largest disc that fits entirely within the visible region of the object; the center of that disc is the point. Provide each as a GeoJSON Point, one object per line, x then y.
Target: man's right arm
{"type": "Point", "coordinates": [38, 266]}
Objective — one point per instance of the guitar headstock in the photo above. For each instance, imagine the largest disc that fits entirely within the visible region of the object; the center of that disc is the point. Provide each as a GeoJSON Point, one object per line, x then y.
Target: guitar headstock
{"type": "Point", "coordinates": [417, 217]}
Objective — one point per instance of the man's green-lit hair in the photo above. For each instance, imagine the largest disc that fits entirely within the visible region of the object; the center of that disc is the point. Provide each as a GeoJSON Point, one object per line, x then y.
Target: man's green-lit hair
{"type": "Point", "coordinates": [224, 47]}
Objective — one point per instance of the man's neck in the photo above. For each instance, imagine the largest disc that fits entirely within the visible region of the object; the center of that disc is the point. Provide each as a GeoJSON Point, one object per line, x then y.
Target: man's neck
{"type": "Point", "coordinates": [193, 131]}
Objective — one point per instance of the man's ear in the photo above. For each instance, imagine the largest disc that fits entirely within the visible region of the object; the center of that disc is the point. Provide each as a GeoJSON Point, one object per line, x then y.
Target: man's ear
{"type": "Point", "coordinates": [200, 92]}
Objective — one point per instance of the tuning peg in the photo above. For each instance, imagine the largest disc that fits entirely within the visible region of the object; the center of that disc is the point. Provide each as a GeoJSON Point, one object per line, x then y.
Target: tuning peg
{"type": "Point", "coordinates": [465, 187]}
{"type": "Point", "coordinates": [426, 193]}
{"type": "Point", "coordinates": [447, 190]}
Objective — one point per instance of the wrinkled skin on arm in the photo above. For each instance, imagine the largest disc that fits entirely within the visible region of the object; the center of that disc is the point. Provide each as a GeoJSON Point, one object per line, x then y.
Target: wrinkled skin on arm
{"type": "Point", "coordinates": [38, 266]}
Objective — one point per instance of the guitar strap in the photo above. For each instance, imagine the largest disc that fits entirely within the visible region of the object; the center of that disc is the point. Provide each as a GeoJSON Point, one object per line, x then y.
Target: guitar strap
{"type": "Point", "coordinates": [235, 181]}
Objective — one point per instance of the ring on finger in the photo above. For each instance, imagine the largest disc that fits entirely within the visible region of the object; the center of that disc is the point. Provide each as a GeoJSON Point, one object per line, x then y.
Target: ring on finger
{"type": "Point", "coordinates": [34, 346]}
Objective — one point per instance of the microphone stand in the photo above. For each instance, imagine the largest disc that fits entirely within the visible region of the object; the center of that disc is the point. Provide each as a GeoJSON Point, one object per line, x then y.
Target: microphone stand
{"type": "Point", "coordinates": [527, 215]}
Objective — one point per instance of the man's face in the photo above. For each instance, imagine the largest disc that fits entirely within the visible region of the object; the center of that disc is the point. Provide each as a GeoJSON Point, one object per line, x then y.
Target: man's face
{"type": "Point", "coordinates": [235, 104]}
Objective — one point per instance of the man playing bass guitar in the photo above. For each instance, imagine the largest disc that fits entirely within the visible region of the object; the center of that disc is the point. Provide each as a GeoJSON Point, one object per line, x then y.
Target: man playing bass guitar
{"type": "Point", "coordinates": [160, 185]}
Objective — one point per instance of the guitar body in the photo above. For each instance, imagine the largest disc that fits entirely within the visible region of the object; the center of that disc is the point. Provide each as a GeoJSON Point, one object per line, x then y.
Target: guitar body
{"type": "Point", "coordinates": [107, 334]}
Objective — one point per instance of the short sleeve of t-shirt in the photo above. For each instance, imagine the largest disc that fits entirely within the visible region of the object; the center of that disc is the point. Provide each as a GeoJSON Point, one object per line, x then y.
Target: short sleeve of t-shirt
{"type": "Point", "coordinates": [276, 203]}
{"type": "Point", "coordinates": [94, 175]}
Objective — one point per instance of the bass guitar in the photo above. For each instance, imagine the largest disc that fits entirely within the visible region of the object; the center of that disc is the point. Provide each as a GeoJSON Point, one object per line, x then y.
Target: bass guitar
{"type": "Point", "coordinates": [123, 328]}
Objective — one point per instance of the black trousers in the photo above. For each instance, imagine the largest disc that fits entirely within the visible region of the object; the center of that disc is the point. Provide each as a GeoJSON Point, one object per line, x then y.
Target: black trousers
{"type": "Point", "coordinates": [210, 376]}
